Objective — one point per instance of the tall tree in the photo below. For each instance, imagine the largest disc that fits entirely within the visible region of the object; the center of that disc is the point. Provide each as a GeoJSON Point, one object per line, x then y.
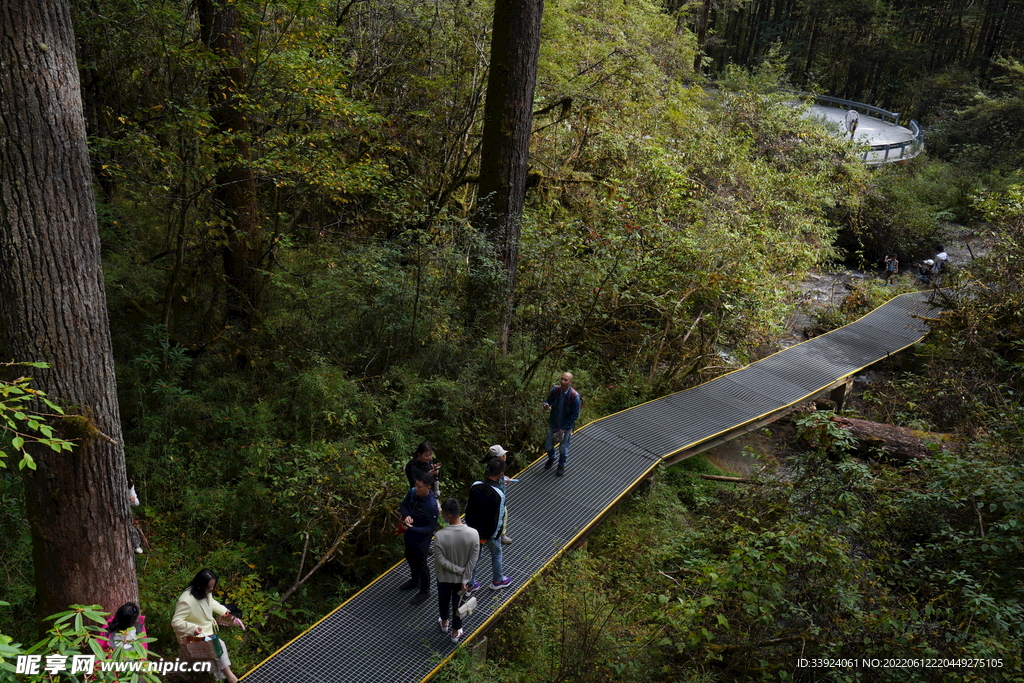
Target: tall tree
{"type": "Point", "coordinates": [703, 19]}
{"type": "Point", "coordinates": [244, 249]}
{"type": "Point", "coordinates": [53, 308]}
{"type": "Point", "coordinates": [508, 117]}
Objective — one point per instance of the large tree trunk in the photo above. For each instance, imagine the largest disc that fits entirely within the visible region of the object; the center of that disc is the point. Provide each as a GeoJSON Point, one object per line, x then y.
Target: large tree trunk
{"type": "Point", "coordinates": [508, 118]}
{"type": "Point", "coordinates": [53, 309]}
{"type": "Point", "coordinates": [899, 443]}
{"type": "Point", "coordinates": [235, 182]}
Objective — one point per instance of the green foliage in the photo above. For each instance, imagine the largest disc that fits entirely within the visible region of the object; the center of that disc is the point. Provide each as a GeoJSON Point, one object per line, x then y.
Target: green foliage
{"type": "Point", "coordinates": [940, 94]}
{"type": "Point", "coordinates": [160, 157]}
{"type": "Point", "coordinates": [655, 234]}
{"type": "Point", "coordinates": [665, 223]}
{"type": "Point", "coordinates": [908, 57]}
{"type": "Point", "coordinates": [819, 430]}
{"type": "Point", "coordinates": [596, 637]}
{"type": "Point", "coordinates": [900, 213]}
{"type": "Point", "coordinates": [22, 420]}
{"type": "Point", "coordinates": [694, 493]}
{"type": "Point", "coordinates": [985, 134]}
{"type": "Point", "coordinates": [660, 239]}
{"type": "Point", "coordinates": [836, 560]}
{"type": "Point", "coordinates": [975, 364]}
{"type": "Point", "coordinates": [76, 632]}
{"type": "Point", "coordinates": [978, 134]}
{"type": "Point", "coordinates": [16, 559]}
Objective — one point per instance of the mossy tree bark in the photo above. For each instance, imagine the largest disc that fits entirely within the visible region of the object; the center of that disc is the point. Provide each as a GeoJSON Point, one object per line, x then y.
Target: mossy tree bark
{"type": "Point", "coordinates": [53, 309]}
{"type": "Point", "coordinates": [508, 118]}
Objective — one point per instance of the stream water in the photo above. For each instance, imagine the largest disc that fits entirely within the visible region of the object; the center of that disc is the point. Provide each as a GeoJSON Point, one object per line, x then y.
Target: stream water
{"type": "Point", "coordinates": [819, 291]}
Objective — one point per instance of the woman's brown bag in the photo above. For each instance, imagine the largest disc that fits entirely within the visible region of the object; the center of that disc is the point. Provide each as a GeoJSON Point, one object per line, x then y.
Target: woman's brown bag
{"type": "Point", "coordinates": [197, 649]}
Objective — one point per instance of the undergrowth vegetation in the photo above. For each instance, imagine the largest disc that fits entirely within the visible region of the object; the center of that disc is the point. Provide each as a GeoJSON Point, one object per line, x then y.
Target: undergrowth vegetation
{"type": "Point", "coordinates": [824, 557]}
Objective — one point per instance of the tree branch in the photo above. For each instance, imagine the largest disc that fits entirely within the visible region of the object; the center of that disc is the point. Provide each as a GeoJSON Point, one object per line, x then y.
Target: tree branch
{"type": "Point", "coordinates": [341, 536]}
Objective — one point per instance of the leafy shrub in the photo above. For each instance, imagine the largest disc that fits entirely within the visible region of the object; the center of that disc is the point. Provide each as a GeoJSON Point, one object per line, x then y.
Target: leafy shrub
{"type": "Point", "coordinates": [76, 632]}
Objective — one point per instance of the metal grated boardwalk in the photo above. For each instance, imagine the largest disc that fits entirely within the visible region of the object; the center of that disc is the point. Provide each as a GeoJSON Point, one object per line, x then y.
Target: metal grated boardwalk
{"type": "Point", "coordinates": [377, 636]}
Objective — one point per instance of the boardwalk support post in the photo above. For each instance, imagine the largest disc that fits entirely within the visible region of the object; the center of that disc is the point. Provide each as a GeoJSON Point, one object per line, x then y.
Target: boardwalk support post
{"type": "Point", "coordinates": [479, 651]}
{"type": "Point", "coordinates": [841, 393]}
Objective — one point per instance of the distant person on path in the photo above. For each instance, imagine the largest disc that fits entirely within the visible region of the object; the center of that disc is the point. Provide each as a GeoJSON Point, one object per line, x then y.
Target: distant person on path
{"type": "Point", "coordinates": [563, 402]}
{"type": "Point", "coordinates": [939, 264]}
{"type": "Point", "coordinates": [892, 268]}
{"type": "Point", "coordinates": [133, 501]}
{"type": "Point", "coordinates": [497, 451]}
{"type": "Point", "coordinates": [942, 258]}
{"type": "Point", "coordinates": [197, 613]}
{"type": "Point", "coordinates": [484, 513]}
{"type": "Point", "coordinates": [423, 463]}
{"type": "Point", "coordinates": [419, 515]}
{"type": "Point", "coordinates": [925, 271]}
{"type": "Point", "coordinates": [456, 550]}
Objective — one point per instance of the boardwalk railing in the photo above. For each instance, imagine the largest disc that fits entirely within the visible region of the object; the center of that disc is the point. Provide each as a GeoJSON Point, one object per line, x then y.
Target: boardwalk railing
{"type": "Point", "coordinates": [896, 151]}
{"type": "Point", "coordinates": [377, 636]}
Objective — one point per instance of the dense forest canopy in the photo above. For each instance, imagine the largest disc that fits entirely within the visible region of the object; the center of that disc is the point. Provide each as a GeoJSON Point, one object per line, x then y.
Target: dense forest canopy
{"type": "Point", "coordinates": [887, 53]}
{"type": "Point", "coordinates": [288, 211]}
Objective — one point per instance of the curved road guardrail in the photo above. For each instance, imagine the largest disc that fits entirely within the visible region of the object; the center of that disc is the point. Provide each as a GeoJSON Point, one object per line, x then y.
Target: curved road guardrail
{"type": "Point", "coordinates": [866, 109]}
{"type": "Point", "coordinates": [880, 130]}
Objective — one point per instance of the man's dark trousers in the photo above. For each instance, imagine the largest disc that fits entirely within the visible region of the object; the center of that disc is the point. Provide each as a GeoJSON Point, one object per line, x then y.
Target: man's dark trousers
{"type": "Point", "coordinates": [448, 596]}
{"type": "Point", "coordinates": [416, 556]}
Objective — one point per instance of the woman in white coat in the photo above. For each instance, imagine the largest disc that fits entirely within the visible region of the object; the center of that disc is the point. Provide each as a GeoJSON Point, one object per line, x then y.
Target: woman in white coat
{"type": "Point", "coordinates": [197, 613]}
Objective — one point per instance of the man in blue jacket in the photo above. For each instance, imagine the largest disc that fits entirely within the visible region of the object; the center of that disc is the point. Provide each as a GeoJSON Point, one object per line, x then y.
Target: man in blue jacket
{"type": "Point", "coordinates": [563, 403]}
{"type": "Point", "coordinates": [419, 515]}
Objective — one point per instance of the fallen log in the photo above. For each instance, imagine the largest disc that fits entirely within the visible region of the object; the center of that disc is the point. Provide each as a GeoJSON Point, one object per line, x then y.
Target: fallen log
{"type": "Point", "coordinates": [734, 480]}
{"type": "Point", "coordinates": [898, 443]}
{"type": "Point", "coordinates": [743, 480]}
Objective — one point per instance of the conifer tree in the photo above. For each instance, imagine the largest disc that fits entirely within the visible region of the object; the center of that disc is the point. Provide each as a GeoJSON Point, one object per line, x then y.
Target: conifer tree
{"type": "Point", "coordinates": [53, 309]}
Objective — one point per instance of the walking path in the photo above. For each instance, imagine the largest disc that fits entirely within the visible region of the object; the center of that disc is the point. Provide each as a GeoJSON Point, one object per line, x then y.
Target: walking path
{"type": "Point", "coordinates": [376, 635]}
{"type": "Point", "coordinates": [871, 130]}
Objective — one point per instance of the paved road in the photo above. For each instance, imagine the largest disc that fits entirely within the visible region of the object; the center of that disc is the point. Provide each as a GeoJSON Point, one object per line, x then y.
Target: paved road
{"type": "Point", "coordinates": [869, 130]}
